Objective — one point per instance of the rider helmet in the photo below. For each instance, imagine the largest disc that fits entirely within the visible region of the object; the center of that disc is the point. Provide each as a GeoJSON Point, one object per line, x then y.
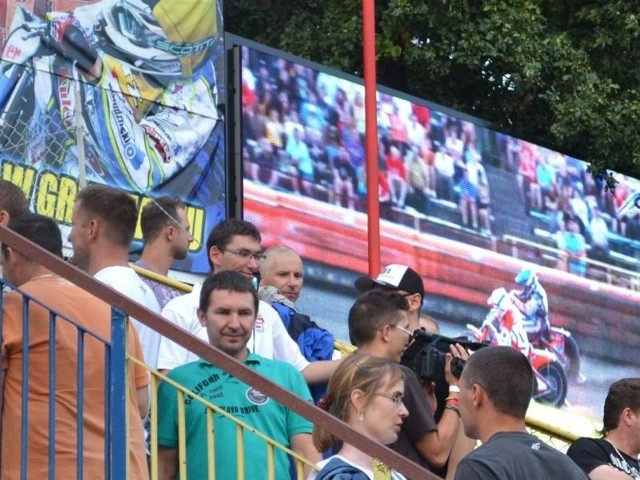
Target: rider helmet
{"type": "Point", "coordinates": [160, 37]}
{"type": "Point", "coordinates": [500, 299]}
{"type": "Point", "coordinates": [527, 278]}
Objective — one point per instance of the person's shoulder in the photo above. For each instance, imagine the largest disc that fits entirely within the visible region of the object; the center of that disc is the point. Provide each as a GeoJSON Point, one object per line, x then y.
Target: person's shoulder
{"type": "Point", "coordinates": [270, 364]}
{"type": "Point", "coordinates": [186, 370]}
{"type": "Point", "coordinates": [267, 312]}
{"type": "Point", "coordinates": [60, 289]}
{"type": "Point", "coordinates": [190, 299]}
{"type": "Point", "coordinates": [410, 375]}
{"type": "Point", "coordinates": [278, 371]}
{"type": "Point", "coordinates": [586, 444]}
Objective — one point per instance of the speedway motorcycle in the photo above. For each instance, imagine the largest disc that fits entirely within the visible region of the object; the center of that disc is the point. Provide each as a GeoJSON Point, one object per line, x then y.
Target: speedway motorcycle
{"type": "Point", "coordinates": [551, 379]}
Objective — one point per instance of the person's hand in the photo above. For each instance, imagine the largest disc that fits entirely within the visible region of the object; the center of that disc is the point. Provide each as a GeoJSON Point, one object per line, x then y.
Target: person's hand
{"type": "Point", "coordinates": [456, 351]}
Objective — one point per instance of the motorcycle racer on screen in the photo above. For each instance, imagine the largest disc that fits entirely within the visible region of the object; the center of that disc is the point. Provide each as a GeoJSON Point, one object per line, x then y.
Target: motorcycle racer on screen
{"type": "Point", "coordinates": [147, 88]}
{"type": "Point", "coordinates": [532, 302]}
{"type": "Point", "coordinates": [507, 321]}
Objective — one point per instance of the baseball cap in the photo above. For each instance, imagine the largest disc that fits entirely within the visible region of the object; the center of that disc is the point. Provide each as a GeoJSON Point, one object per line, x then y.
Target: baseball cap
{"type": "Point", "coordinates": [393, 276]}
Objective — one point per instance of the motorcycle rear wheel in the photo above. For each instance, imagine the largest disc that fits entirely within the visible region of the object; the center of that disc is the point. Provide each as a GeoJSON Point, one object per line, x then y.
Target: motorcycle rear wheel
{"type": "Point", "coordinates": [555, 376]}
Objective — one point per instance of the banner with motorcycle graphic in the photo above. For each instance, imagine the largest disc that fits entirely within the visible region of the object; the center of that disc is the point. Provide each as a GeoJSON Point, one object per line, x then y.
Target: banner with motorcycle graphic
{"type": "Point", "coordinates": [116, 92]}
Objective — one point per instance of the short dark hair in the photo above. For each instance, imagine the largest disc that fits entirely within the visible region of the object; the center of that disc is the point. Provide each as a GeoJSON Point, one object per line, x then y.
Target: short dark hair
{"type": "Point", "coordinates": [157, 214]}
{"type": "Point", "coordinates": [221, 235]}
{"type": "Point", "coordinates": [506, 376]}
{"type": "Point", "coordinates": [12, 199]}
{"type": "Point", "coordinates": [116, 207]}
{"type": "Point", "coordinates": [227, 280]}
{"type": "Point", "coordinates": [624, 393]}
{"type": "Point", "coordinates": [371, 311]}
{"type": "Point", "coordinates": [41, 230]}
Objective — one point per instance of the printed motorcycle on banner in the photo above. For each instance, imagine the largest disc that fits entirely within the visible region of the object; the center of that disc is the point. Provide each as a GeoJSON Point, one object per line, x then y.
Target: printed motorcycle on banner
{"type": "Point", "coordinates": [122, 93]}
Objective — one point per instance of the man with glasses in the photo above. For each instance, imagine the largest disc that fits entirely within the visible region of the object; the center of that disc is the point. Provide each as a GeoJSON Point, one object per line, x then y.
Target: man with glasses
{"type": "Point", "coordinates": [165, 231]}
{"type": "Point", "coordinates": [235, 245]}
{"type": "Point", "coordinates": [379, 325]}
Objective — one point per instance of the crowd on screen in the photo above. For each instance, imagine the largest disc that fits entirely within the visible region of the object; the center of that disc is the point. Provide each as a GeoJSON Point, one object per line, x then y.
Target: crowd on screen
{"type": "Point", "coordinates": [577, 209]}
{"type": "Point", "coordinates": [303, 131]}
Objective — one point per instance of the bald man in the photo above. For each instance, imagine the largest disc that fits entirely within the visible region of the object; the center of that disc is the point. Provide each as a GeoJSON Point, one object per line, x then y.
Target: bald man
{"type": "Point", "coordinates": [282, 268]}
{"type": "Point", "coordinates": [281, 279]}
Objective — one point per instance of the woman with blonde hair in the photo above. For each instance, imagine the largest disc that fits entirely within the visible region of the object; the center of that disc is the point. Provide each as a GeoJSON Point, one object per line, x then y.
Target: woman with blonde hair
{"type": "Point", "coordinates": [366, 393]}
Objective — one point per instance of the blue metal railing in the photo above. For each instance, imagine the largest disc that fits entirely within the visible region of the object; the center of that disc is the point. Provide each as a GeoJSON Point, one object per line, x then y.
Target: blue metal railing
{"type": "Point", "coordinates": [115, 398]}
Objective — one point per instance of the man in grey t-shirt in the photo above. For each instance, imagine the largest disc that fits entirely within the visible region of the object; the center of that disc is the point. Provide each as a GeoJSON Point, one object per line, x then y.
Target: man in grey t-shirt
{"type": "Point", "coordinates": [495, 390]}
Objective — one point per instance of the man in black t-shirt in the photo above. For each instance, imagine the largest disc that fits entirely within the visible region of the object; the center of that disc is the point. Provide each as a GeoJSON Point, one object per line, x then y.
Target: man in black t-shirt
{"type": "Point", "coordinates": [495, 390]}
{"type": "Point", "coordinates": [615, 455]}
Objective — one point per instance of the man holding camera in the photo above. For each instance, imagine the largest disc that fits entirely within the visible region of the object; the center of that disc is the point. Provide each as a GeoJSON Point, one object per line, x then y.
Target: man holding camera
{"type": "Point", "coordinates": [379, 325]}
{"type": "Point", "coordinates": [401, 280]}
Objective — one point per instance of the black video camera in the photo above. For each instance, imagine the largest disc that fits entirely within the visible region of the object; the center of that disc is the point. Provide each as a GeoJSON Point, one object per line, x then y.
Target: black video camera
{"type": "Point", "coordinates": [427, 355]}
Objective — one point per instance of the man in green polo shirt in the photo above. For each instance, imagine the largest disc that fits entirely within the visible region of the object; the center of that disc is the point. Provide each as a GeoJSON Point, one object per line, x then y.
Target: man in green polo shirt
{"type": "Point", "coordinates": [228, 307]}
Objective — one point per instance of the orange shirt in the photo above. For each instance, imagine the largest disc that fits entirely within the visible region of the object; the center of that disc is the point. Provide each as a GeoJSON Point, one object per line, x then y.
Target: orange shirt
{"type": "Point", "coordinates": [86, 310]}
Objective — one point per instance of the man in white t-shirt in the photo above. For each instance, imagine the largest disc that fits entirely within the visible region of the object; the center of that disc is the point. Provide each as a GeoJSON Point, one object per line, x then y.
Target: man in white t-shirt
{"type": "Point", "coordinates": [235, 245]}
{"type": "Point", "coordinates": [103, 223]}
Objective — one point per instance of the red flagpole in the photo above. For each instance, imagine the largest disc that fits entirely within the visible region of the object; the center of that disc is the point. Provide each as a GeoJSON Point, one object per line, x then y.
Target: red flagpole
{"type": "Point", "coordinates": [371, 134]}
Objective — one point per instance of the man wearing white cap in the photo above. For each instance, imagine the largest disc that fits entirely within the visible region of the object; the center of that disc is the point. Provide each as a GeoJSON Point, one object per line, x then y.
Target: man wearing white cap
{"type": "Point", "coordinates": [399, 279]}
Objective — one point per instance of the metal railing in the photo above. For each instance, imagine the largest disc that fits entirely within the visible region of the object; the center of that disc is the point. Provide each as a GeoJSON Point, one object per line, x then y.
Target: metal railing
{"type": "Point", "coordinates": [35, 335]}
{"type": "Point", "coordinates": [271, 445]}
{"type": "Point", "coordinates": [204, 350]}
{"type": "Point", "coordinates": [596, 270]}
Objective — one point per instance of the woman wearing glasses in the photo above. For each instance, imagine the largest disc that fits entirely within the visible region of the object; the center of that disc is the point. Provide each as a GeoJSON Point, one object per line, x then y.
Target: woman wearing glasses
{"type": "Point", "coordinates": [365, 392]}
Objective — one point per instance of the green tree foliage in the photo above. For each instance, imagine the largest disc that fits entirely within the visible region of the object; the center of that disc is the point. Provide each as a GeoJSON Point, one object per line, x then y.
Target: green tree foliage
{"type": "Point", "coordinates": [564, 73]}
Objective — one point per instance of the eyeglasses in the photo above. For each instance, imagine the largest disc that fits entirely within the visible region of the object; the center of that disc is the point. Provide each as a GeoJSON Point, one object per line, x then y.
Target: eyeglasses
{"type": "Point", "coordinates": [396, 398]}
{"type": "Point", "coordinates": [246, 254]}
{"type": "Point", "coordinates": [409, 334]}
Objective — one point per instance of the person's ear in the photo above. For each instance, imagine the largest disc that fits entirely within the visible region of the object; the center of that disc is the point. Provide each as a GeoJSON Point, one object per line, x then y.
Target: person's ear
{"type": "Point", "coordinates": [478, 395]}
{"type": "Point", "coordinates": [627, 416]}
{"type": "Point", "coordinates": [385, 332]}
{"type": "Point", "coordinates": [201, 317]}
{"type": "Point", "coordinates": [415, 302]}
{"type": "Point", "coordinates": [94, 228]}
{"type": "Point", "coordinates": [214, 255]}
{"type": "Point", "coordinates": [169, 231]}
{"type": "Point", "coordinates": [357, 399]}
{"type": "Point", "coordinates": [4, 218]}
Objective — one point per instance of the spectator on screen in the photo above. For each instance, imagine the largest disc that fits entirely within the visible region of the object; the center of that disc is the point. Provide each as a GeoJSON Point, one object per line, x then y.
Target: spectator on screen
{"type": "Point", "coordinates": [397, 176]}
{"type": "Point", "coordinates": [574, 246]}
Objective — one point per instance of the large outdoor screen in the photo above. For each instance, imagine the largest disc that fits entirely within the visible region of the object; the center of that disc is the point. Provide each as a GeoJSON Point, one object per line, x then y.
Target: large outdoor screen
{"type": "Point", "coordinates": [117, 92]}
{"type": "Point", "coordinates": [466, 206]}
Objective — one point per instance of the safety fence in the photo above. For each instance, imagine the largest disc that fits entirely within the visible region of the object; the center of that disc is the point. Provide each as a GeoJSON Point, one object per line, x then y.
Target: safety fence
{"type": "Point", "coordinates": [118, 443]}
